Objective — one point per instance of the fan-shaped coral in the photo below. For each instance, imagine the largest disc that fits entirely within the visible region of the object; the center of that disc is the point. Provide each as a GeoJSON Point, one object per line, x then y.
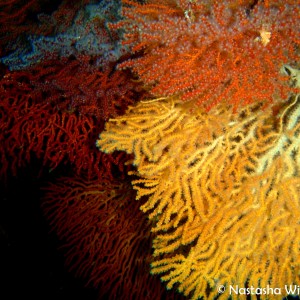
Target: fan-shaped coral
{"type": "Point", "coordinates": [106, 236]}
{"type": "Point", "coordinates": [223, 192]}
{"type": "Point", "coordinates": [208, 51]}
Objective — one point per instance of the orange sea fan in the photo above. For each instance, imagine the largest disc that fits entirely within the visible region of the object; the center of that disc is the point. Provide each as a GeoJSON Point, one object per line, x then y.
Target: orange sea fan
{"type": "Point", "coordinates": [222, 190]}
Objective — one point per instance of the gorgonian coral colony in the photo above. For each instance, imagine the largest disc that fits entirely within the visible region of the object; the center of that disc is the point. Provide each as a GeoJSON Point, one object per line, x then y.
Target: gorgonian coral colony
{"type": "Point", "coordinates": [208, 51]}
{"type": "Point", "coordinates": [214, 145]}
{"type": "Point", "coordinates": [58, 86]}
{"type": "Point", "coordinates": [217, 167]}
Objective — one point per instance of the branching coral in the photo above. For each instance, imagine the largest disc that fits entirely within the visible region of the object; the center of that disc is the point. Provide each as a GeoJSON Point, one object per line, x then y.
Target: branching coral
{"type": "Point", "coordinates": [219, 180]}
{"type": "Point", "coordinates": [76, 33]}
{"type": "Point", "coordinates": [33, 125]}
{"type": "Point", "coordinates": [15, 19]}
{"type": "Point", "coordinates": [106, 237]}
{"type": "Point", "coordinates": [223, 191]}
{"type": "Point", "coordinates": [208, 51]}
{"type": "Point", "coordinates": [77, 84]}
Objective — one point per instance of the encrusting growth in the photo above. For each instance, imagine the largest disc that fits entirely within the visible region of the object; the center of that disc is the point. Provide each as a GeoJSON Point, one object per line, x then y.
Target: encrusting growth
{"type": "Point", "coordinates": [222, 191]}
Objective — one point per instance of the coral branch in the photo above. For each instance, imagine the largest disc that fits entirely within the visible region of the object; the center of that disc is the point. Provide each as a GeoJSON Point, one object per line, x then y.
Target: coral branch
{"type": "Point", "coordinates": [107, 239]}
{"type": "Point", "coordinates": [210, 51]}
{"type": "Point", "coordinates": [31, 125]}
{"type": "Point", "coordinates": [87, 34]}
{"type": "Point", "coordinates": [222, 190]}
{"type": "Point", "coordinates": [79, 85]}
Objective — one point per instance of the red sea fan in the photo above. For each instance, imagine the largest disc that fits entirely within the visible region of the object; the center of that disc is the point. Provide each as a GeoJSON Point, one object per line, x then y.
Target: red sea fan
{"type": "Point", "coordinates": [107, 237]}
{"type": "Point", "coordinates": [210, 51]}
{"type": "Point", "coordinates": [31, 126]}
{"type": "Point", "coordinates": [77, 84]}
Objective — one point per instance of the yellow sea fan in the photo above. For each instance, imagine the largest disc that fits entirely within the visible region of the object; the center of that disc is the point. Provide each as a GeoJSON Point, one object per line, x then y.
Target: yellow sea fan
{"type": "Point", "coordinates": [223, 192]}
